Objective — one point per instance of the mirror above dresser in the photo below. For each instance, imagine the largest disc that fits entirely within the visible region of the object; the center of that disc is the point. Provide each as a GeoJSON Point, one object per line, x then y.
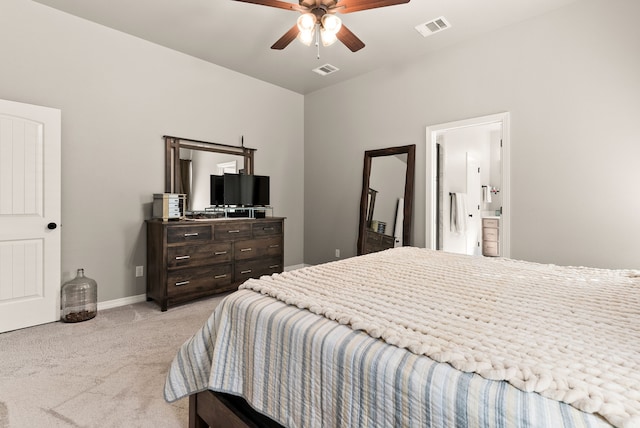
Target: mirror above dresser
{"type": "Point", "coordinates": [189, 165]}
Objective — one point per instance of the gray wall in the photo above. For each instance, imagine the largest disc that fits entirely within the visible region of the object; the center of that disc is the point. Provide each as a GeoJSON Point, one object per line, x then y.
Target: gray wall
{"type": "Point", "coordinates": [569, 79]}
{"type": "Point", "coordinates": [119, 95]}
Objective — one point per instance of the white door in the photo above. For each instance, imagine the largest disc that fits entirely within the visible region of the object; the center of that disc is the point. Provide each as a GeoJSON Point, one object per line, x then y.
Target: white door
{"type": "Point", "coordinates": [29, 215]}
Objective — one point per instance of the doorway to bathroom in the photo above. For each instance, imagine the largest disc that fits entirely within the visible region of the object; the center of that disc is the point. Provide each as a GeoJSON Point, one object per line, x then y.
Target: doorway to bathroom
{"type": "Point", "coordinates": [468, 186]}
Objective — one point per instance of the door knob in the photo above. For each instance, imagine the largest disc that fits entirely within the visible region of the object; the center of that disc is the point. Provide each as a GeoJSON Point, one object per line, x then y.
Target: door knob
{"type": "Point", "coordinates": [52, 226]}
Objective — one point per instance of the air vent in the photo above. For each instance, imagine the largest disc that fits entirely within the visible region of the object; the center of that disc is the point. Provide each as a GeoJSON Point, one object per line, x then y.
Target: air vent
{"type": "Point", "coordinates": [323, 70]}
{"type": "Point", "coordinates": [432, 27]}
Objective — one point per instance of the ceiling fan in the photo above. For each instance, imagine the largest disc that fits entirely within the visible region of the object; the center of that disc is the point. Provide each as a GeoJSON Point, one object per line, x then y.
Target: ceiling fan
{"type": "Point", "coordinates": [318, 18]}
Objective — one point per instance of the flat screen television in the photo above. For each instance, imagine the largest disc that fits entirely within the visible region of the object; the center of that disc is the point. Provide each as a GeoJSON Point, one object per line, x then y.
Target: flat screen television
{"type": "Point", "coordinates": [239, 190]}
{"type": "Point", "coordinates": [217, 190]}
{"type": "Point", "coordinates": [232, 189]}
{"type": "Point", "coordinates": [246, 190]}
{"type": "Point", "coordinates": [260, 190]}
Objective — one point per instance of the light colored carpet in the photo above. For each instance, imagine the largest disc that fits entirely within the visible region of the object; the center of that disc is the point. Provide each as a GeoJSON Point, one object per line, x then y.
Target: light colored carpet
{"type": "Point", "coordinates": [105, 372]}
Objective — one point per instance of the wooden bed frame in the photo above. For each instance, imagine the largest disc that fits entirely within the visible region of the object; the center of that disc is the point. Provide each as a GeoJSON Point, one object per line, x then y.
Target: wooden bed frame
{"type": "Point", "coordinates": [215, 409]}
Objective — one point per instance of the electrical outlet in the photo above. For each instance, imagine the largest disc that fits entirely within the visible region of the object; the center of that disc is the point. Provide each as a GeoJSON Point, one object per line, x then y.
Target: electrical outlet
{"type": "Point", "coordinates": [337, 252]}
{"type": "Point", "coordinates": [139, 271]}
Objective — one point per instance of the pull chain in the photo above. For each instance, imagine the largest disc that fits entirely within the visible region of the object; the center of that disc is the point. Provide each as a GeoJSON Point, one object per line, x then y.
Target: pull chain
{"type": "Point", "coordinates": [318, 40]}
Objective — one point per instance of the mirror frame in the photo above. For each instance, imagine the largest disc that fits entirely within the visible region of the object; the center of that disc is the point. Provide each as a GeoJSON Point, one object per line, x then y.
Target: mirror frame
{"type": "Point", "coordinates": [410, 150]}
{"type": "Point", "coordinates": [172, 156]}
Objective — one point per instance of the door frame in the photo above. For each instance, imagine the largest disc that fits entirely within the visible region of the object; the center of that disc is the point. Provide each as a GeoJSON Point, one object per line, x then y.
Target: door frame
{"type": "Point", "coordinates": [431, 196]}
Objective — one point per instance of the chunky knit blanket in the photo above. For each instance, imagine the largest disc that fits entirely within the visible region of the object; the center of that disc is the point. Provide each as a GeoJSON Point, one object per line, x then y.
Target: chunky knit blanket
{"type": "Point", "coordinates": [569, 333]}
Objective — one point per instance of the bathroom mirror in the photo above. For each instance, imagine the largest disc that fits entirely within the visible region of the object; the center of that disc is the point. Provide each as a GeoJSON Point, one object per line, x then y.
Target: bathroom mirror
{"type": "Point", "coordinates": [386, 202]}
{"type": "Point", "coordinates": [189, 165]}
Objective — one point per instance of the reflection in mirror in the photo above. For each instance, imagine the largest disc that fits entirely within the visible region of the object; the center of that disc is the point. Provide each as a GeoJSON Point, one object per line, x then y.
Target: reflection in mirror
{"type": "Point", "coordinates": [189, 165]}
{"type": "Point", "coordinates": [370, 205]}
{"type": "Point", "coordinates": [387, 177]}
{"type": "Point", "coordinates": [196, 168]}
{"type": "Point", "coordinates": [387, 198]}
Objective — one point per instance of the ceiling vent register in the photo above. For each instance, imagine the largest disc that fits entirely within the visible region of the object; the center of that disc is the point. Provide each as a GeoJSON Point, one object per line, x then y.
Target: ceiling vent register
{"type": "Point", "coordinates": [433, 26]}
{"type": "Point", "coordinates": [326, 69]}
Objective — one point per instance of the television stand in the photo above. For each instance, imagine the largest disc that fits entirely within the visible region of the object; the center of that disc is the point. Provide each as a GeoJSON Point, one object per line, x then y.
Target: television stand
{"type": "Point", "coordinates": [241, 212]}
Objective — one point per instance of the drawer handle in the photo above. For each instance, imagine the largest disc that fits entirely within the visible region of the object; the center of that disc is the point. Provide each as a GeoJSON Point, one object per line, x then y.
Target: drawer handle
{"type": "Point", "coordinates": [268, 228]}
{"type": "Point", "coordinates": [234, 231]}
{"type": "Point", "coordinates": [220, 253]}
{"type": "Point", "coordinates": [182, 257]}
{"type": "Point", "coordinates": [274, 266]}
{"type": "Point", "coordinates": [245, 249]}
{"type": "Point", "coordinates": [245, 271]}
{"type": "Point", "coordinates": [179, 284]}
{"type": "Point", "coordinates": [274, 246]}
{"type": "Point", "coordinates": [186, 235]}
{"type": "Point", "coordinates": [220, 276]}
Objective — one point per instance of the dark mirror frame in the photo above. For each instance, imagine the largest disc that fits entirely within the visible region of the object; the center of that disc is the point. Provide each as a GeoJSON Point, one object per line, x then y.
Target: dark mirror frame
{"type": "Point", "coordinates": [410, 150]}
{"type": "Point", "coordinates": [172, 156]}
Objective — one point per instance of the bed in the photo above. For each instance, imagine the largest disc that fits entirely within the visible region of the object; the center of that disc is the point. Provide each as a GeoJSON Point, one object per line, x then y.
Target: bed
{"type": "Point", "coordinates": [411, 337]}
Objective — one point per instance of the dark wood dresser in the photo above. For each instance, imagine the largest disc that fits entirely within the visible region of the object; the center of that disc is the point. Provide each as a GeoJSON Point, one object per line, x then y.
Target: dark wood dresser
{"type": "Point", "coordinates": [375, 242]}
{"type": "Point", "coordinates": [189, 259]}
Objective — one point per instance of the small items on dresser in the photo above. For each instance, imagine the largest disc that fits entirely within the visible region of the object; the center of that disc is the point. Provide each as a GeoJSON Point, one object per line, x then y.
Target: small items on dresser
{"type": "Point", "coordinates": [378, 226]}
{"type": "Point", "coordinates": [79, 298]}
{"type": "Point", "coordinates": [169, 206]}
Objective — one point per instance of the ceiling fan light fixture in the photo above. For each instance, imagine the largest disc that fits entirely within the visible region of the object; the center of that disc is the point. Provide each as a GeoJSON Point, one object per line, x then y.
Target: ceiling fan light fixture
{"type": "Point", "coordinates": [331, 23]}
{"type": "Point", "coordinates": [328, 37]}
{"type": "Point", "coordinates": [306, 37]}
{"type": "Point", "coordinates": [306, 22]}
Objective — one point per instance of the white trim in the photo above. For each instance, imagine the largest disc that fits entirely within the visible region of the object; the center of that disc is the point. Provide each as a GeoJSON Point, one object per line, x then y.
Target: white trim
{"type": "Point", "coordinates": [294, 267]}
{"type": "Point", "coordinates": [228, 167]}
{"type": "Point", "coordinates": [122, 302]}
{"type": "Point", "coordinates": [430, 197]}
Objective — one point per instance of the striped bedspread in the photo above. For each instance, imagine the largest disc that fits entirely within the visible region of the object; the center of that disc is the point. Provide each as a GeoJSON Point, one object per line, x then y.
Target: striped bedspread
{"type": "Point", "coordinates": [304, 370]}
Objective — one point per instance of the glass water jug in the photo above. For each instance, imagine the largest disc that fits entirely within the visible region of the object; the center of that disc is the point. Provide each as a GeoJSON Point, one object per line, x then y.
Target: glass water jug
{"type": "Point", "coordinates": [79, 299]}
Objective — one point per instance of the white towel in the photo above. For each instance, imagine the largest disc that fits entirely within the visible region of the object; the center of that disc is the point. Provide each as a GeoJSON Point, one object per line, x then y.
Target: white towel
{"type": "Point", "coordinates": [458, 212]}
{"type": "Point", "coordinates": [486, 194]}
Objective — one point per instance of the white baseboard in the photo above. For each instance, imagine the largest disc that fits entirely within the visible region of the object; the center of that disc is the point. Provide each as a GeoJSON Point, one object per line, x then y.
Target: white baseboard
{"type": "Point", "coordinates": [294, 267]}
{"type": "Point", "coordinates": [122, 302]}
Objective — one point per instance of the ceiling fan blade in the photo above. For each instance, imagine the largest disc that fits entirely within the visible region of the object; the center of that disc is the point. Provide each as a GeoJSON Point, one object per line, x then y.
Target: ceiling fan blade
{"type": "Point", "coordinates": [275, 3]}
{"type": "Point", "coordinates": [288, 37]}
{"type": "Point", "coordinates": [348, 6]}
{"type": "Point", "coordinates": [349, 39]}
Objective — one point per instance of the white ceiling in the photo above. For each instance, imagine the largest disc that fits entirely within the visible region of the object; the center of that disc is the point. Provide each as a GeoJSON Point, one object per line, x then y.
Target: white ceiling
{"type": "Point", "coordinates": [238, 35]}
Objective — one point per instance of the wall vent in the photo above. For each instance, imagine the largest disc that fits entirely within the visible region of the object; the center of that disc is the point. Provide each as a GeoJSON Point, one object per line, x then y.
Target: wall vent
{"type": "Point", "coordinates": [323, 70]}
{"type": "Point", "coordinates": [433, 26]}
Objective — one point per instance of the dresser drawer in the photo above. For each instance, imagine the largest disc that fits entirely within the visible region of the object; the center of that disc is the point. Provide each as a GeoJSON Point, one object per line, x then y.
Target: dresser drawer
{"type": "Point", "coordinates": [489, 234]}
{"type": "Point", "coordinates": [490, 222]}
{"type": "Point", "coordinates": [387, 240]}
{"type": "Point", "coordinates": [267, 228]}
{"type": "Point", "coordinates": [232, 231]}
{"type": "Point", "coordinates": [490, 248]}
{"type": "Point", "coordinates": [177, 234]}
{"type": "Point", "coordinates": [256, 268]}
{"type": "Point", "coordinates": [252, 248]}
{"type": "Point", "coordinates": [192, 280]}
{"type": "Point", "coordinates": [198, 255]}
{"type": "Point", "coordinates": [378, 242]}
